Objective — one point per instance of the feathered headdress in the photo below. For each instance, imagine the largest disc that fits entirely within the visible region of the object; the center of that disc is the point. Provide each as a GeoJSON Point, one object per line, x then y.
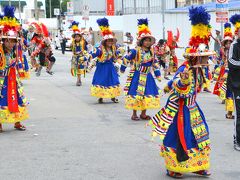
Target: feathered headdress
{"type": "Point", "coordinates": [227, 32]}
{"type": "Point", "coordinates": [9, 23]}
{"type": "Point", "coordinates": [105, 29]}
{"type": "Point", "coordinates": [37, 27]}
{"type": "Point", "coordinates": [75, 28]}
{"type": "Point", "coordinates": [200, 33]}
{"type": "Point", "coordinates": [44, 30]}
{"type": "Point", "coordinates": [235, 20]}
{"type": "Point", "coordinates": [170, 39]}
{"type": "Point", "coordinates": [144, 31]}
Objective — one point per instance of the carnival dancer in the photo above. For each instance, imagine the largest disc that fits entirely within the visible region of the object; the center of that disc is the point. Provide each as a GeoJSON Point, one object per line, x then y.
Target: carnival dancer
{"type": "Point", "coordinates": [23, 67]}
{"type": "Point", "coordinates": [141, 90]}
{"type": "Point", "coordinates": [162, 52]}
{"type": "Point", "coordinates": [80, 54]}
{"type": "Point", "coordinates": [45, 53]}
{"type": "Point", "coordinates": [30, 34]}
{"type": "Point", "coordinates": [220, 88]}
{"type": "Point", "coordinates": [181, 123]}
{"type": "Point", "coordinates": [105, 83]}
{"type": "Point", "coordinates": [34, 42]}
{"type": "Point", "coordinates": [172, 44]}
{"type": "Point", "coordinates": [12, 100]}
{"type": "Point", "coordinates": [208, 78]}
{"type": "Point", "coordinates": [233, 81]}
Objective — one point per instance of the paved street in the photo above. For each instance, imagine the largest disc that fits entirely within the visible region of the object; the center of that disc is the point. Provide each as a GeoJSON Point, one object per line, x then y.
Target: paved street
{"type": "Point", "coordinates": [71, 137]}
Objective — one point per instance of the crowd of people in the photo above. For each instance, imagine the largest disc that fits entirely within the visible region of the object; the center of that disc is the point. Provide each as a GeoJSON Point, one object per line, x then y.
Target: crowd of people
{"type": "Point", "coordinates": [180, 124]}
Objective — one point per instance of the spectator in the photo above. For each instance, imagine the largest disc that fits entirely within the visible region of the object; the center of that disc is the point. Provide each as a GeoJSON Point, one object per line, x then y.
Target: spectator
{"type": "Point", "coordinates": [217, 43]}
{"type": "Point", "coordinates": [233, 84]}
{"type": "Point", "coordinates": [63, 41]}
{"type": "Point", "coordinates": [129, 41]}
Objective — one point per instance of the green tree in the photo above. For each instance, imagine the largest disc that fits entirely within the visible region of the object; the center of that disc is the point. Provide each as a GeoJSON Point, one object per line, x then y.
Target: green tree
{"type": "Point", "coordinates": [64, 5]}
{"type": "Point", "coordinates": [54, 3]}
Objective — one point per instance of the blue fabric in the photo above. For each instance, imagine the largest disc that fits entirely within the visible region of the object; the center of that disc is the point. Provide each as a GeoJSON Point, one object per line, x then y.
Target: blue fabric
{"type": "Point", "coordinates": [180, 69]}
{"type": "Point", "coordinates": [26, 66]}
{"type": "Point", "coordinates": [229, 94]}
{"type": "Point", "coordinates": [216, 66]}
{"type": "Point", "coordinates": [123, 68]}
{"type": "Point", "coordinates": [20, 66]}
{"type": "Point", "coordinates": [78, 49]}
{"type": "Point", "coordinates": [157, 73]}
{"type": "Point", "coordinates": [97, 52]}
{"type": "Point", "coordinates": [131, 55]}
{"type": "Point", "coordinates": [206, 72]}
{"type": "Point", "coordinates": [3, 101]}
{"type": "Point", "coordinates": [171, 136]}
{"type": "Point", "coordinates": [150, 89]}
{"type": "Point", "coordinates": [105, 75]}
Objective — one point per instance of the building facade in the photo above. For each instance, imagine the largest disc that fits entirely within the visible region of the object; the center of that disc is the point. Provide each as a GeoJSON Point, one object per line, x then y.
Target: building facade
{"type": "Point", "coordinates": [25, 8]}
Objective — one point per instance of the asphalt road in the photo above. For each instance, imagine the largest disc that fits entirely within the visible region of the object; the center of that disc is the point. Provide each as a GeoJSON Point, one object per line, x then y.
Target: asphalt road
{"type": "Point", "coordinates": [71, 137]}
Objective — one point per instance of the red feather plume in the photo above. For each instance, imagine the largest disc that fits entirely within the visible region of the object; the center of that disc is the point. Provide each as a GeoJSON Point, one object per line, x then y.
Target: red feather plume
{"type": "Point", "coordinates": [44, 30]}
{"type": "Point", "coordinates": [37, 26]}
{"type": "Point", "coordinates": [178, 34]}
{"type": "Point", "coordinates": [170, 38]}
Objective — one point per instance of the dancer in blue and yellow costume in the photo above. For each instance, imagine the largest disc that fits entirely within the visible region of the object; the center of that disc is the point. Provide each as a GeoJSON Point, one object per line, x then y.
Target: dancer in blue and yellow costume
{"type": "Point", "coordinates": [80, 54]}
{"type": "Point", "coordinates": [23, 66]}
{"type": "Point", "coordinates": [105, 83]}
{"type": "Point", "coordinates": [141, 90]}
{"type": "Point", "coordinates": [181, 123]}
{"type": "Point", "coordinates": [220, 88]}
{"type": "Point", "coordinates": [12, 100]}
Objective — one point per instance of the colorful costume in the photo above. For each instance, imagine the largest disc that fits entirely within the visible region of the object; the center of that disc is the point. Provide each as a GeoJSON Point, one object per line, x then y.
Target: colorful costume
{"type": "Point", "coordinates": [44, 51]}
{"type": "Point", "coordinates": [23, 67]}
{"type": "Point", "coordinates": [141, 90]}
{"type": "Point", "coordinates": [172, 44]}
{"type": "Point", "coordinates": [80, 53]}
{"type": "Point", "coordinates": [208, 78]}
{"type": "Point", "coordinates": [12, 100]}
{"type": "Point", "coordinates": [105, 83]}
{"type": "Point", "coordinates": [220, 88]}
{"type": "Point", "coordinates": [181, 123]}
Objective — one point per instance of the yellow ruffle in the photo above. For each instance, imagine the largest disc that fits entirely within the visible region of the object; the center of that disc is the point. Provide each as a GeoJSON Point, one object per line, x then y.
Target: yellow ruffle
{"type": "Point", "coordinates": [26, 76]}
{"type": "Point", "coordinates": [135, 103]}
{"type": "Point", "coordinates": [198, 160]}
{"type": "Point", "coordinates": [229, 105]}
{"type": "Point", "coordinates": [206, 84]}
{"type": "Point", "coordinates": [105, 92]}
{"type": "Point", "coordinates": [76, 72]}
{"type": "Point", "coordinates": [8, 117]}
{"type": "Point", "coordinates": [222, 94]}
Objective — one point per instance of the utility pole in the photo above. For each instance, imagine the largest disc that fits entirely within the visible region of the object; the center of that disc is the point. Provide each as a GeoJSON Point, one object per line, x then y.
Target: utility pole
{"type": "Point", "coordinates": [19, 10]}
{"type": "Point", "coordinates": [122, 7]}
{"type": "Point", "coordinates": [135, 7]}
{"type": "Point", "coordinates": [50, 8]}
{"type": "Point", "coordinates": [149, 7]}
{"type": "Point", "coordinates": [163, 17]}
{"type": "Point", "coordinates": [9, 2]}
{"type": "Point", "coordinates": [60, 15]}
{"type": "Point", "coordinates": [36, 10]}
